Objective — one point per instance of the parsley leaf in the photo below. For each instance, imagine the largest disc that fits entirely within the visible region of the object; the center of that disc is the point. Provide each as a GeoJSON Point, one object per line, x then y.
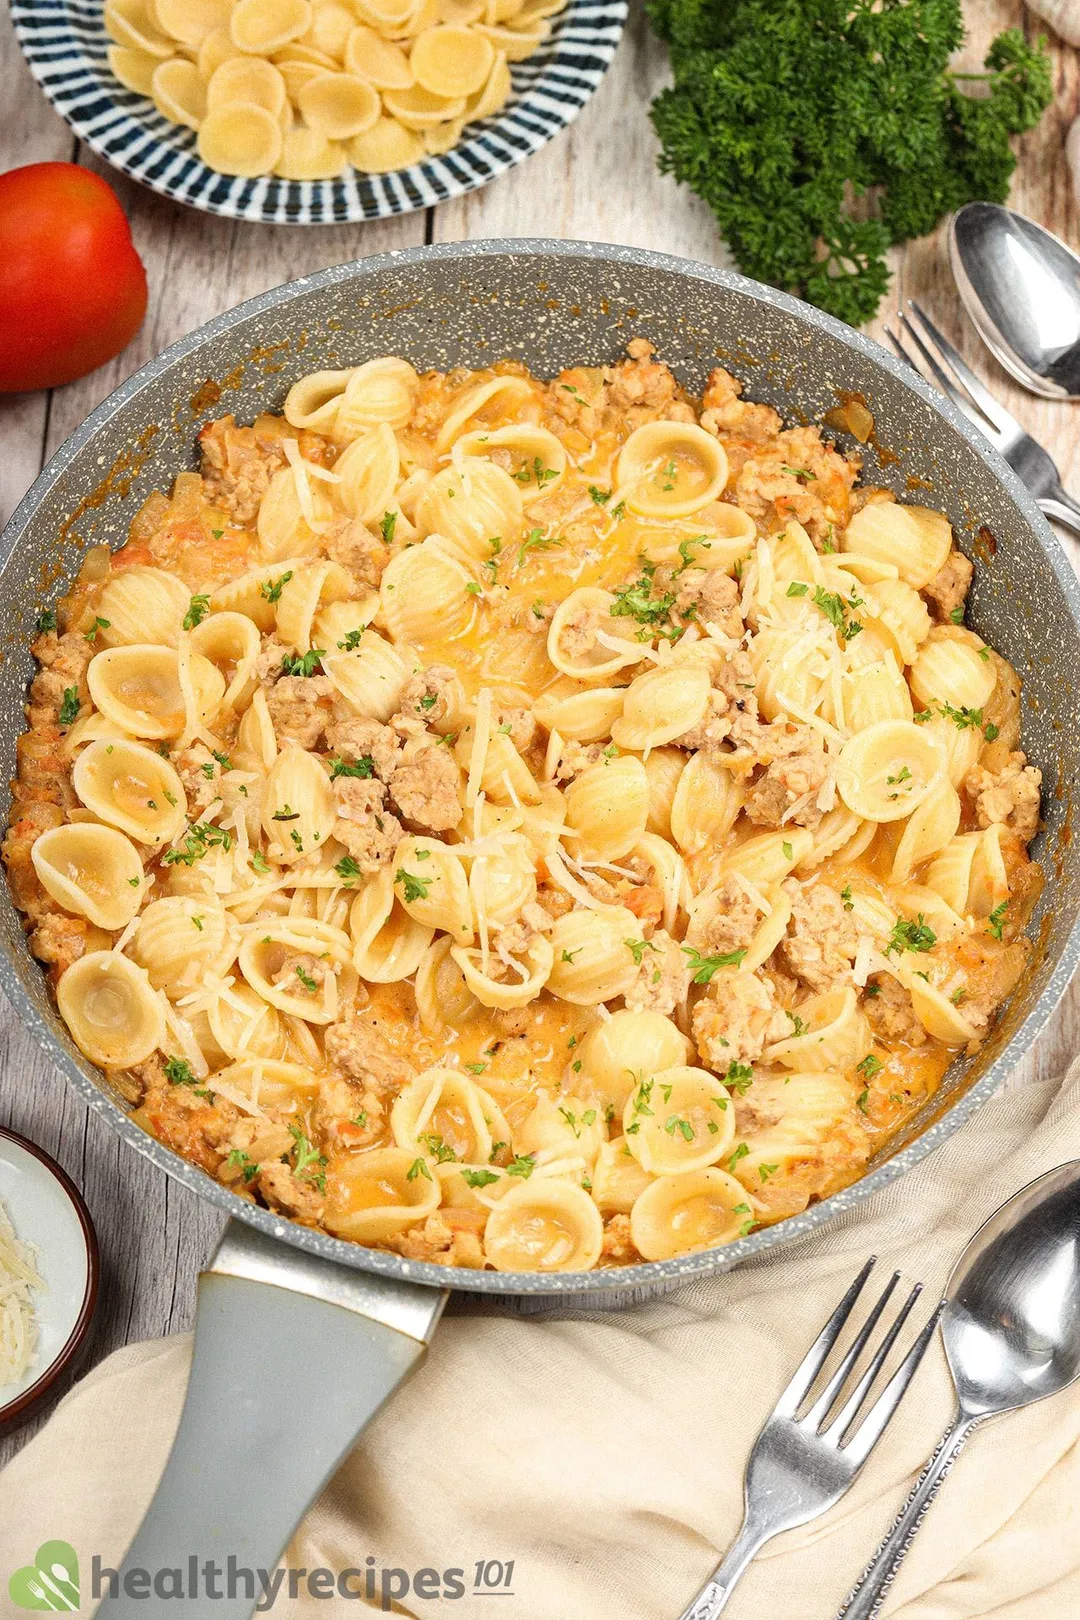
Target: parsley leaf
{"type": "Point", "coordinates": [703, 967]}
{"type": "Point", "coordinates": [198, 608]}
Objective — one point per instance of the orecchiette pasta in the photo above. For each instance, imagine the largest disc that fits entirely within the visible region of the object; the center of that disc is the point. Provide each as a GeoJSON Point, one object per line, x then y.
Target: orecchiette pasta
{"type": "Point", "coordinates": [505, 836]}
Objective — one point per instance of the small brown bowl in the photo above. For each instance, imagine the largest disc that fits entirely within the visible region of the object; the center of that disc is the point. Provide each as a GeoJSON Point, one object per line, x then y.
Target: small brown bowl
{"type": "Point", "coordinates": [48, 1211]}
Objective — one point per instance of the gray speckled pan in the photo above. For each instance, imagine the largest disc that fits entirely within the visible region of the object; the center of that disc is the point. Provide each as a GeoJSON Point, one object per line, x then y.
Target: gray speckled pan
{"type": "Point", "coordinates": [339, 1326]}
{"type": "Point", "coordinates": [552, 304]}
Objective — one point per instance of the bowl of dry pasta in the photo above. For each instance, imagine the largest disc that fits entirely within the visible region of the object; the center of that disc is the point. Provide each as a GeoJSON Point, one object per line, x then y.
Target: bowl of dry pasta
{"type": "Point", "coordinates": [551, 784]}
{"type": "Point", "coordinates": [315, 112]}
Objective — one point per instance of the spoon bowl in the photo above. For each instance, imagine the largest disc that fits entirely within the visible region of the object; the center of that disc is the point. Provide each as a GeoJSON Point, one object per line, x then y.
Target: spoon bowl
{"type": "Point", "coordinates": [1011, 1327]}
{"type": "Point", "coordinates": [1021, 286]}
{"type": "Point", "coordinates": [1011, 1324]}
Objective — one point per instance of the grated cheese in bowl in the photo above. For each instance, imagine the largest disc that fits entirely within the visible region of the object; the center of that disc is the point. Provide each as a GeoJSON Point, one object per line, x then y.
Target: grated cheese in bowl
{"type": "Point", "coordinates": [18, 1331]}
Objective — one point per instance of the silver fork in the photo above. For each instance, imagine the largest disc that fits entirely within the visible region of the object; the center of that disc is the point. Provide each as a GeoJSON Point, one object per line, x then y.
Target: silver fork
{"type": "Point", "coordinates": [801, 1466]}
{"type": "Point", "coordinates": [1025, 455]}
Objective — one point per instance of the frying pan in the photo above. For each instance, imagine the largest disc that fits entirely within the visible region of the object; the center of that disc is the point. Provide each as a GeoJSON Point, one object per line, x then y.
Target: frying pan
{"type": "Point", "coordinates": [298, 1332]}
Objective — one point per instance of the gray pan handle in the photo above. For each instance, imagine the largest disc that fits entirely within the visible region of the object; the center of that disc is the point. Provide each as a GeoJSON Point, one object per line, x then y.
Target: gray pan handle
{"type": "Point", "coordinates": [293, 1356]}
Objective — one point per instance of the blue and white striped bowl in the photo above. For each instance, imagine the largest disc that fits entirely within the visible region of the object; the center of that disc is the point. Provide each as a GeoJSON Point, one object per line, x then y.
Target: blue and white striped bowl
{"type": "Point", "coordinates": [64, 41]}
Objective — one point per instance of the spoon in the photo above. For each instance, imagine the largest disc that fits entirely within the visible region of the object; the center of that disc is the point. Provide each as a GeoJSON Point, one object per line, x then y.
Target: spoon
{"type": "Point", "coordinates": [1011, 1327]}
{"type": "Point", "coordinates": [1021, 286]}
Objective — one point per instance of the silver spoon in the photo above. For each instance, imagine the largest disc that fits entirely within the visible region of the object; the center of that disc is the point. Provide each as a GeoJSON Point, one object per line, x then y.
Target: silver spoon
{"type": "Point", "coordinates": [1011, 1327]}
{"type": "Point", "coordinates": [1021, 286]}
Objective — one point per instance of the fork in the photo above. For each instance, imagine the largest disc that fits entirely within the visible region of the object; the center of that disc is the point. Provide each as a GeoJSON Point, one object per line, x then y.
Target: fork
{"type": "Point", "coordinates": [1025, 455]}
{"type": "Point", "coordinates": [801, 1466]}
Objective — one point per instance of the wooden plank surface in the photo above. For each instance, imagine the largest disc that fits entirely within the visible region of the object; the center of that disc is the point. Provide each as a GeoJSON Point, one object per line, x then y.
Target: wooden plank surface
{"type": "Point", "coordinates": [597, 181]}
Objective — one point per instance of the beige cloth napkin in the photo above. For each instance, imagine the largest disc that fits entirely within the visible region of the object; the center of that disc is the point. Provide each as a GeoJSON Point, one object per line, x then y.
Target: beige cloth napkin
{"type": "Point", "coordinates": [604, 1454]}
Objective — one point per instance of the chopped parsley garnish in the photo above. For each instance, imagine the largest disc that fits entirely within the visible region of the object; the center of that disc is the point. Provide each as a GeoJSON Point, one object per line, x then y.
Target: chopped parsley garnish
{"type": "Point", "coordinates": [476, 1068]}
{"type": "Point", "coordinates": [956, 615]}
{"type": "Point", "coordinates": [243, 1162]}
{"type": "Point", "coordinates": [364, 767]}
{"type": "Point", "coordinates": [702, 968]}
{"type": "Point", "coordinates": [833, 605]}
{"type": "Point", "coordinates": [99, 624]}
{"type": "Point", "coordinates": [767, 1170]}
{"type": "Point", "coordinates": [535, 472]}
{"type": "Point", "coordinates": [478, 1178]}
{"type": "Point", "coordinates": [996, 920]}
{"type": "Point", "coordinates": [599, 497]}
{"type": "Point", "coordinates": [862, 1099]}
{"type": "Point", "coordinates": [576, 1125]}
{"type": "Point", "coordinates": [536, 540]}
{"type": "Point", "coordinates": [286, 813]}
{"type": "Point", "coordinates": [963, 718]}
{"type": "Point", "coordinates": [740, 1153]}
{"type": "Point", "coordinates": [387, 525]}
{"type": "Point", "coordinates": [304, 664]}
{"type": "Point", "coordinates": [200, 837]}
{"type": "Point", "coordinates": [739, 1077]}
{"type": "Point", "coordinates": [522, 1164]}
{"type": "Point", "coordinates": [414, 888]}
{"type": "Point", "coordinates": [803, 474]}
{"type": "Point", "coordinates": [347, 869]}
{"type": "Point", "coordinates": [788, 850]}
{"type": "Point", "coordinates": [351, 639]}
{"type": "Point", "coordinates": [223, 759]}
{"type": "Point", "coordinates": [305, 1157]}
{"type": "Point", "coordinates": [568, 956]}
{"type": "Point", "coordinates": [911, 936]}
{"type": "Point", "coordinates": [198, 608]}
{"type": "Point", "coordinates": [418, 1167]}
{"type": "Point", "coordinates": [259, 861]}
{"type": "Point", "coordinates": [797, 588]}
{"type": "Point", "coordinates": [636, 601]}
{"type": "Point", "coordinates": [178, 1072]}
{"type": "Point", "coordinates": [46, 620]}
{"type": "Point", "coordinates": [990, 731]}
{"type": "Point", "coordinates": [307, 981]}
{"type": "Point", "coordinates": [674, 1123]}
{"type": "Point", "coordinates": [845, 895]}
{"type": "Point", "coordinates": [208, 770]}
{"type": "Point", "coordinates": [798, 1026]}
{"type": "Point", "coordinates": [272, 588]}
{"type": "Point", "coordinates": [685, 551]}
{"type": "Point", "coordinates": [440, 1151]}
{"type": "Point", "coordinates": [638, 947]}
{"type": "Point", "coordinates": [870, 1066]}
{"type": "Point", "coordinates": [69, 706]}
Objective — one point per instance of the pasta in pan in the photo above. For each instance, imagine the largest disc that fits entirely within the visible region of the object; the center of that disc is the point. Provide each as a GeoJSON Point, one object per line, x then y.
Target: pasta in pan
{"type": "Point", "coordinates": [528, 825]}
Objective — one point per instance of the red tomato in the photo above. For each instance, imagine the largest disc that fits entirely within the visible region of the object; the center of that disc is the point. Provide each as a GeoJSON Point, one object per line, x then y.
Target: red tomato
{"type": "Point", "coordinates": [72, 287]}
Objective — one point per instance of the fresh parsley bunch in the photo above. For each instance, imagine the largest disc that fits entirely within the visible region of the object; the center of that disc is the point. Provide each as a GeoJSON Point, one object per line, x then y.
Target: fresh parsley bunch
{"type": "Point", "coordinates": [784, 111]}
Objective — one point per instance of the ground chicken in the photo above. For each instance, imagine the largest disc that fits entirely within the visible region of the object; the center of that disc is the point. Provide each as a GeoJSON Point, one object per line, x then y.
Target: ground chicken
{"type": "Point", "coordinates": [188, 1123]}
{"type": "Point", "coordinates": [797, 475]}
{"type": "Point", "coordinates": [359, 1052]}
{"type": "Point", "coordinates": [556, 902]}
{"type": "Point", "coordinates": [733, 697]}
{"type": "Point", "coordinates": [643, 389]}
{"type": "Point", "coordinates": [451, 1237]}
{"type": "Point", "coordinates": [575, 758]}
{"type": "Point", "coordinates": [369, 831]}
{"type": "Point", "coordinates": [790, 788]}
{"type": "Point", "coordinates": [736, 1020]}
{"type": "Point", "coordinates": [346, 1116]}
{"type": "Point", "coordinates": [663, 977]}
{"type": "Point", "coordinates": [947, 591]}
{"type": "Point", "coordinates": [29, 819]}
{"type": "Point", "coordinates": [822, 939]}
{"type": "Point", "coordinates": [237, 466]}
{"type": "Point", "coordinates": [363, 555]}
{"type": "Point", "coordinates": [355, 739]}
{"type": "Point", "coordinates": [301, 973]}
{"type": "Point", "coordinates": [431, 697]}
{"type": "Point", "coordinates": [297, 1196]}
{"type": "Point", "coordinates": [891, 1015]}
{"type": "Point", "coordinates": [741, 425]}
{"type": "Point", "coordinates": [270, 662]}
{"type": "Point", "coordinates": [200, 772]}
{"type": "Point", "coordinates": [61, 678]}
{"type": "Point", "coordinates": [617, 1243]}
{"type": "Point", "coordinates": [517, 722]}
{"type": "Point", "coordinates": [727, 923]}
{"type": "Point", "coordinates": [712, 597]}
{"type": "Point", "coordinates": [300, 708]}
{"type": "Point", "coordinates": [426, 787]}
{"type": "Point", "coordinates": [60, 940]}
{"type": "Point", "coordinates": [1009, 797]}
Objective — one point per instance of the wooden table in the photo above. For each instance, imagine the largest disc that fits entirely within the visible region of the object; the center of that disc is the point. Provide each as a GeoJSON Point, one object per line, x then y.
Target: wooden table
{"type": "Point", "coordinates": [597, 181]}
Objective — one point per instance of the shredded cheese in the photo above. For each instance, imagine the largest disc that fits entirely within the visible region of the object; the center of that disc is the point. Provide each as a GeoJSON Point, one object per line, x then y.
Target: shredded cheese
{"type": "Point", "coordinates": [480, 744]}
{"type": "Point", "coordinates": [18, 1330]}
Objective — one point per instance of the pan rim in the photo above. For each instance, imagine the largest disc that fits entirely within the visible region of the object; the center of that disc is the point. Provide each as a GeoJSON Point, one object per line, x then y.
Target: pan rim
{"type": "Point", "coordinates": [655, 1274]}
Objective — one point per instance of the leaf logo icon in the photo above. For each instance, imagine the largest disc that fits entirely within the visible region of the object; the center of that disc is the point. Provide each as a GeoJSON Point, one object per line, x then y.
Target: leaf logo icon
{"type": "Point", "coordinates": [51, 1582]}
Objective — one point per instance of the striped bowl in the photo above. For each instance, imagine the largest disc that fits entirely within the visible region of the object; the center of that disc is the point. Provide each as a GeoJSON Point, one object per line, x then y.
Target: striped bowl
{"type": "Point", "coordinates": [64, 42]}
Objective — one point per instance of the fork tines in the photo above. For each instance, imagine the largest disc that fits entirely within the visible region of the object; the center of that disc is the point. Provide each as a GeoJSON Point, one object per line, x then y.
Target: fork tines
{"type": "Point", "coordinates": [950, 371]}
{"type": "Point", "coordinates": [840, 1430]}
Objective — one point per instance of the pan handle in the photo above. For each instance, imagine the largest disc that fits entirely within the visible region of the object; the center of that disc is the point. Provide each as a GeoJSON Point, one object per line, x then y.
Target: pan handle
{"type": "Point", "coordinates": [293, 1356]}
